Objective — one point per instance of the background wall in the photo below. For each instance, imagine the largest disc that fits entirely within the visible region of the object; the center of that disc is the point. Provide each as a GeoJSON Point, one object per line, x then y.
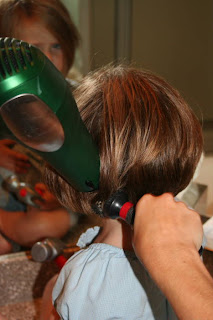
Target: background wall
{"type": "Point", "coordinates": [171, 38]}
{"type": "Point", "coordinates": [174, 38]}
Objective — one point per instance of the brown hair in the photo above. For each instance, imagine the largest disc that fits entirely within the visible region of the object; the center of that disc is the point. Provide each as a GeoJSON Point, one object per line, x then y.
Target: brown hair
{"type": "Point", "coordinates": [149, 139]}
{"type": "Point", "coordinates": [53, 15]}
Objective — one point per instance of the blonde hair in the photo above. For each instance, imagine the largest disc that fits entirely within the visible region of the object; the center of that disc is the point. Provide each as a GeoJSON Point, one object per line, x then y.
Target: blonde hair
{"type": "Point", "coordinates": [149, 139]}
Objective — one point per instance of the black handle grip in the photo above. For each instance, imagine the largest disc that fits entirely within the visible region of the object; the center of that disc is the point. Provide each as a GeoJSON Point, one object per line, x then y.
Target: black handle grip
{"type": "Point", "coordinates": [118, 206]}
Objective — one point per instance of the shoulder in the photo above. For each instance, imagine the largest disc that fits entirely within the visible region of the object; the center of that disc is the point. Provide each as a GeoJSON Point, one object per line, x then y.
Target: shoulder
{"type": "Point", "coordinates": [101, 259]}
{"type": "Point", "coordinates": [106, 282]}
{"type": "Point", "coordinates": [109, 276]}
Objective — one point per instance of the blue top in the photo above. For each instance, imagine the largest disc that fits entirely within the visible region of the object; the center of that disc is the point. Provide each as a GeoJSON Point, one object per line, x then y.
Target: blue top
{"type": "Point", "coordinates": [103, 282]}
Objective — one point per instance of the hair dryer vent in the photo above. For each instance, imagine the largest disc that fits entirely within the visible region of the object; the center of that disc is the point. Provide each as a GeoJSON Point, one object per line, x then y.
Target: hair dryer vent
{"type": "Point", "coordinates": [14, 56]}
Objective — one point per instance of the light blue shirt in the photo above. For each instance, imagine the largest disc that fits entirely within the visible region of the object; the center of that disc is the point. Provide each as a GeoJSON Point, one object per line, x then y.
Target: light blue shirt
{"type": "Point", "coordinates": [103, 282]}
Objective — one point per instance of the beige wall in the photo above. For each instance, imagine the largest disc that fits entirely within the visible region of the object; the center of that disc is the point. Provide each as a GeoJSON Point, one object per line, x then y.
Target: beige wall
{"type": "Point", "coordinates": [172, 38]}
{"type": "Point", "coordinates": [175, 39]}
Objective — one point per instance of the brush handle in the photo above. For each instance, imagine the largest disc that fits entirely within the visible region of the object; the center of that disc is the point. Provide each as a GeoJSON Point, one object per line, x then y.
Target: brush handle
{"type": "Point", "coordinates": [118, 207]}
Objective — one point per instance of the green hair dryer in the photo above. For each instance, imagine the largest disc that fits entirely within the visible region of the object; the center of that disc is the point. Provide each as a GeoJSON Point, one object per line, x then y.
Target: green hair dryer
{"type": "Point", "coordinates": [37, 109]}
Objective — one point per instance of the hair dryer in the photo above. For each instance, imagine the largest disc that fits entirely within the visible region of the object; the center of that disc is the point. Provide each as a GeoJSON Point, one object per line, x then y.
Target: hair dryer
{"type": "Point", "coordinates": [38, 110]}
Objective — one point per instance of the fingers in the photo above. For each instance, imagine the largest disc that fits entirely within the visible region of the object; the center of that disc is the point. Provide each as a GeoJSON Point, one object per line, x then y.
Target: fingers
{"type": "Point", "coordinates": [17, 166]}
{"type": "Point", "coordinates": [50, 202]}
{"type": "Point", "coordinates": [14, 161]}
{"type": "Point", "coordinates": [21, 166]}
{"type": "Point", "coordinates": [164, 217]}
{"type": "Point", "coordinates": [148, 199]}
{"type": "Point", "coordinates": [40, 188]}
{"type": "Point", "coordinates": [7, 142]}
{"type": "Point", "coordinates": [18, 156]}
{"type": "Point", "coordinates": [5, 149]}
{"type": "Point", "coordinates": [44, 191]}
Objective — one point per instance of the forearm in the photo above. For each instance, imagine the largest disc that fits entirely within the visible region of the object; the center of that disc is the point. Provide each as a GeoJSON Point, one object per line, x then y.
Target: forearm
{"type": "Point", "coordinates": [183, 278]}
{"type": "Point", "coordinates": [27, 228]}
{"type": "Point", "coordinates": [167, 236]}
{"type": "Point", "coordinates": [11, 223]}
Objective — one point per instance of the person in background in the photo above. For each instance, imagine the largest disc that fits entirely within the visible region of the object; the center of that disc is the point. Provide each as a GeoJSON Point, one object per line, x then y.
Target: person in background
{"type": "Point", "coordinates": [149, 141]}
{"type": "Point", "coordinates": [47, 25]}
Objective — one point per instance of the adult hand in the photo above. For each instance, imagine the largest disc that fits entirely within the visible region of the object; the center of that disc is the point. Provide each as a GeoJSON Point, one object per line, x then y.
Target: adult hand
{"type": "Point", "coordinates": [167, 237]}
{"type": "Point", "coordinates": [163, 224]}
{"type": "Point", "coordinates": [11, 159]}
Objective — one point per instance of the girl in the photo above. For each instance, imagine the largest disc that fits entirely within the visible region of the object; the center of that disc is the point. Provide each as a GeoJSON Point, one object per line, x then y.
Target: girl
{"type": "Point", "coordinates": [150, 142]}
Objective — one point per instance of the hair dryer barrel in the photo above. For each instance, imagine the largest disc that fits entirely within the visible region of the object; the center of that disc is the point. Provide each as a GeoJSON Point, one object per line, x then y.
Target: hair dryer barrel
{"type": "Point", "coordinates": [38, 110]}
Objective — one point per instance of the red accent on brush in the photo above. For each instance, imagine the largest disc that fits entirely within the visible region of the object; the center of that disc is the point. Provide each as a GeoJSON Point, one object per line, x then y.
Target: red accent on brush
{"type": "Point", "coordinates": [124, 210]}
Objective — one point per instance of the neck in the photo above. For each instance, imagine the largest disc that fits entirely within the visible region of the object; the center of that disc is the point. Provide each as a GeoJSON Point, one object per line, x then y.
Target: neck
{"type": "Point", "coordinates": [116, 233]}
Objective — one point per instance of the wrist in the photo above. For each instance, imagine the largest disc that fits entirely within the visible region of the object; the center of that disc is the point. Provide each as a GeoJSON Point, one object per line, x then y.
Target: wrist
{"type": "Point", "coordinates": [183, 278]}
{"type": "Point", "coordinates": [168, 260]}
{"type": "Point", "coordinates": [163, 256]}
